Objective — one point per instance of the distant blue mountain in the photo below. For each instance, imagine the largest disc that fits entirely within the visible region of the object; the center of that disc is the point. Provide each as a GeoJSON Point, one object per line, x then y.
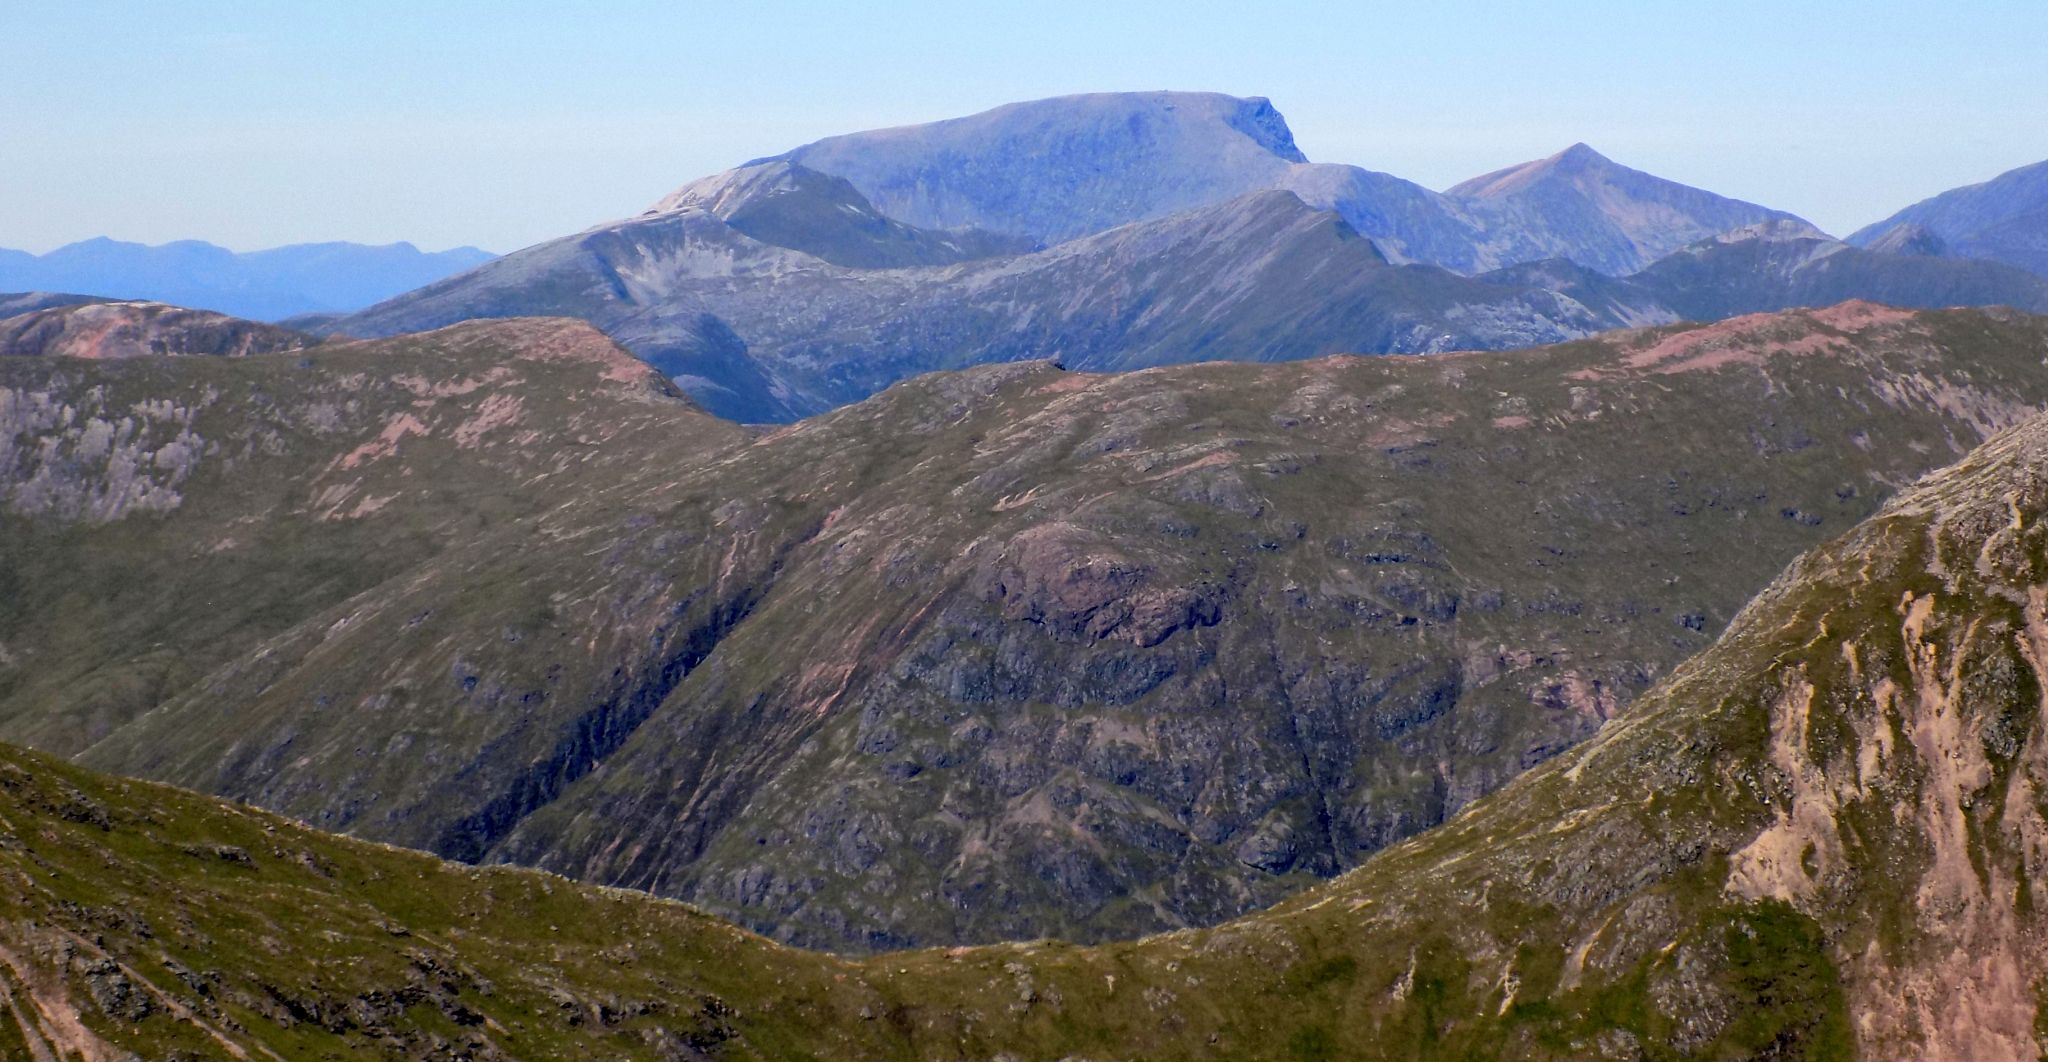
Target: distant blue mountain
{"type": "Point", "coordinates": [260, 285]}
{"type": "Point", "coordinates": [2004, 219]}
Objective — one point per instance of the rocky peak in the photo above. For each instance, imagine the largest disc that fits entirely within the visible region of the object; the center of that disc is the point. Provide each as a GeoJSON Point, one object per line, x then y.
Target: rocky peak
{"type": "Point", "coordinates": [1575, 162]}
{"type": "Point", "coordinates": [1909, 238]}
{"type": "Point", "coordinates": [723, 194]}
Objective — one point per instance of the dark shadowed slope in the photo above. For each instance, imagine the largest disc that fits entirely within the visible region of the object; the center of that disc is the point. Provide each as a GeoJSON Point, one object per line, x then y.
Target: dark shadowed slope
{"type": "Point", "coordinates": [1819, 838]}
{"type": "Point", "coordinates": [1004, 652]}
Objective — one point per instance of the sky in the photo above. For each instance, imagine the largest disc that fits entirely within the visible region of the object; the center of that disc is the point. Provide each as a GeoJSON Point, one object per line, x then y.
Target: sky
{"type": "Point", "coordinates": [502, 124]}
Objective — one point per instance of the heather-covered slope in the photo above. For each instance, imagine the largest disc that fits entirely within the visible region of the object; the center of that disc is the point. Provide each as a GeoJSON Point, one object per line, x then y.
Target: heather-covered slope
{"type": "Point", "coordinates": [2004, 219]}
{"type": "Point", "coordinates": [1820, 837]}
{"type": "Point", "coordinates": [98, 329]}
{"type": "Point", "coordinates": [159, 516]}
{"type": "Point", "coordinates": [1018, 651]}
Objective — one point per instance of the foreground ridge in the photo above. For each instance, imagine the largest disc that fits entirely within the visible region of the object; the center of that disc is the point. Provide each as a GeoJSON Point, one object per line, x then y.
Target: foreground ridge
{"type": "Point", "coordinates": [1000, 654]}
{"type": "Point", "coordinates": [1823, 835]}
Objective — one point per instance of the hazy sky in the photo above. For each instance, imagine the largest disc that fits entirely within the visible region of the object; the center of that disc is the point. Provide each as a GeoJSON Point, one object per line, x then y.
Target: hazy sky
{"type": "Point", "coordinates": [501, 124]}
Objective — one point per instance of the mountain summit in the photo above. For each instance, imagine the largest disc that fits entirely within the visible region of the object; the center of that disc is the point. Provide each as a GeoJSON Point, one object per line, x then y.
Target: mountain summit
{"type": "Point", "coordinates": [1060, 168]}
{"type": "Point", "coordinates": [1581, 205]}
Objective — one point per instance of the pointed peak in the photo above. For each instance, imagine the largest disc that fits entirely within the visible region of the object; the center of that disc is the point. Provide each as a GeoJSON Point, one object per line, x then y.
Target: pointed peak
{"type": "Point", "coordinates": [1580, 154]}
{"type": "Point", "coordinates": [1576, 160]}
{"type": "Point", "coordinates": [1910, 239]}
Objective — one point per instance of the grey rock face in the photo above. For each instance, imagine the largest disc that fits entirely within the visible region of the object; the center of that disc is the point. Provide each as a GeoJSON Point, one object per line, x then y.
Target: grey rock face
{"type": "Point", "coordinates": [1778, 267]}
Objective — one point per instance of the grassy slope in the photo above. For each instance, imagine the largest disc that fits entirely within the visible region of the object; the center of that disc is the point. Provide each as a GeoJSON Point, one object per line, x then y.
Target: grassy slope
{"type": "Point", "coordinates": [1879, 708]}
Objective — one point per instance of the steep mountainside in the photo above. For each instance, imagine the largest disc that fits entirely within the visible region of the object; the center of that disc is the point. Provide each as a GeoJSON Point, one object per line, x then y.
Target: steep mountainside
{"type": "Point", "coordinates": [264, 285]}
{"type": "Point", "coordinates": [138, 329]}
{"type": "Point", "coordinates": [761, 332]}
{"type": "Point", "coordinates": [1820, 838]}
{"type": "Point", "coordinates": [1006, 652]}
{"type": "Point", "coordinates": [2005, 219]}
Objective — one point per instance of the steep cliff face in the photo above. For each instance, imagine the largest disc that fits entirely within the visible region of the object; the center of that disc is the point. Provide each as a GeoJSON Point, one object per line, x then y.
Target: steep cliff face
{"type": "Point", "coordinates": [1819, 838]}
{"type": "Point", "coordinates": [1016, 651]}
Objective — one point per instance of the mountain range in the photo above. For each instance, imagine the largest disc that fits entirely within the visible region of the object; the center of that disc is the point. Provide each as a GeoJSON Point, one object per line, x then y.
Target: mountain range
{"type": "Point", "coordinates": [264, 285]}
{"type": "Point", "coordinates": [1128, 230]}
{"type": "Point", "coordinates": [1052, 170]}
{"type": "Point", "coordinates": [1816, 839]}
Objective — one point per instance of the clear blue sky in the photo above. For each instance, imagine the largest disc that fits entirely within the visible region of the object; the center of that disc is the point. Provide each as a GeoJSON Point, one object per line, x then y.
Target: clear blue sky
{"type": "Point", "coordinates": [501, 124]}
